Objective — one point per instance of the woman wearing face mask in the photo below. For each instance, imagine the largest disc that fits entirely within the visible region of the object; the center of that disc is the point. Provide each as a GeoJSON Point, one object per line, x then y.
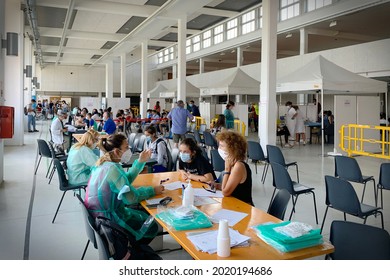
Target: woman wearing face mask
{"type": "Point", "coordinates": [237, 176]}
{"type": "Point", "coordinates": [192, 164]}
{"type": "Point", "coordinates": [229, 115]}
{"type": "Point", "coordinates": [81, 159]}
{"type": "Point", "coordinates": [158, 148]}
{"type": "Point", "coordinates": [109, 191]}
{"type": "Point", "coordinates": [291, 122]}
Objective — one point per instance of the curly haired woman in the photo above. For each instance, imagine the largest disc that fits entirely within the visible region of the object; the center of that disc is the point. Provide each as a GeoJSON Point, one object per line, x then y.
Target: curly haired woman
{"type": "Point", "coordinates": [237, 177]}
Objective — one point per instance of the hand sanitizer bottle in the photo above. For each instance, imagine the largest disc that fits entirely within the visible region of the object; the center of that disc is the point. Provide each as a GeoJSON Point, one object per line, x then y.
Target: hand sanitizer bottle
{"type": "Point", "coordinates": [188, 195]}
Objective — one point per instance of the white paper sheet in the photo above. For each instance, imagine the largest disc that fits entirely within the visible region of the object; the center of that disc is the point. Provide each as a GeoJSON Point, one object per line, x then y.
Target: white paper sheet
{"type": "Point", "coordinates": [204, 193]}
{"type": "Point", "coordinates": [207, 241]}
{"type": "Point", "coordinates": [199, 201]}
{"type": "Point", "coordinates": [233, 217]}
{"type": "Point", "coordinates": [173, 186]}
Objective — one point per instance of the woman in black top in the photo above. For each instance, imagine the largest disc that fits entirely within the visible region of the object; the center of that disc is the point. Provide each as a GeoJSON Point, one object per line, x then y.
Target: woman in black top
{"type": "Point", "coordinates": [192, 164]}
{"type": "Point", "coordinates": [237, 177]}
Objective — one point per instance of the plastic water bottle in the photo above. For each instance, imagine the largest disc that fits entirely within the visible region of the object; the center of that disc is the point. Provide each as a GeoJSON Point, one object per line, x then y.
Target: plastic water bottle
{"type": "Point", "coordinates": [188, 195]}
{"type": "Point", "coordinates": [223, 239]}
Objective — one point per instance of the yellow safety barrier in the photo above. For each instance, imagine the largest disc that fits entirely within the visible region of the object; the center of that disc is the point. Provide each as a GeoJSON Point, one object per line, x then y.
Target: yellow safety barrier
{"type": "Point", "coordinates": [240, 127]}
{"type": "Point", "coordinates": [359, 140]}
{"type": "Point", "coordinates": [198, 122]}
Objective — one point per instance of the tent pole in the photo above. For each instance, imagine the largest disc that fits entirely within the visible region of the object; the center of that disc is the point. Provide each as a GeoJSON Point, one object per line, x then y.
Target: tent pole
{"type": "Point", "coordinates": [322, 123]}
{"type": "Point", "coordinates": [386, 105]}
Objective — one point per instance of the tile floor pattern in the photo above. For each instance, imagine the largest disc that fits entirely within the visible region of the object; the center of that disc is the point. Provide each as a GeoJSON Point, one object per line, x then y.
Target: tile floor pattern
{"type": "Point", "coordinates": [66, 238]}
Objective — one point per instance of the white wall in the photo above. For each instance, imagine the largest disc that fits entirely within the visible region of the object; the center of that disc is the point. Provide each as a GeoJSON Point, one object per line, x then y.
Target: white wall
{"type": "Point", "coordinates": [1, 89]}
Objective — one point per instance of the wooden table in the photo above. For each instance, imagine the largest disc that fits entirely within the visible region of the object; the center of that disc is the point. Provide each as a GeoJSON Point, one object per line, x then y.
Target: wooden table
{"type": "Point", "coordinates": [79, 135]}
{"type": "Point", "coordinates": [258, 249]}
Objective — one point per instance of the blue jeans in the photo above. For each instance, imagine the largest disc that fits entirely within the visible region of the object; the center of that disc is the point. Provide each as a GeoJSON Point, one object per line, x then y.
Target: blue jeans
{"type": "Point", "coordinates": [31, 121]}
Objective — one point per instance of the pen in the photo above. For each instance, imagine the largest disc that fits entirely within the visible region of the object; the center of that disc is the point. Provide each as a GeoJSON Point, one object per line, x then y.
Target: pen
{"type": "Point", "coordinates": [163, 181]}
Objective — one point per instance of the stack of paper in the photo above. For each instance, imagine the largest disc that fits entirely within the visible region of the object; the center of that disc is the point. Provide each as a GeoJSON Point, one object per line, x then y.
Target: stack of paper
{"type": "Point", "coordinates": [207, 241]}
{"type": "Point", "coordinates": [233, 217]}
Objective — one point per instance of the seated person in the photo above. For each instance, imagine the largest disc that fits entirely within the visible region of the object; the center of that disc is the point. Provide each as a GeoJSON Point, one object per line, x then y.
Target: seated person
{"type": "Point", "coordinates": [58, 129]}
{"type": "Point", "coordinates": [91, 121]}
{"type": "Point", "coordinates": [109, 125]}
{"type": "Point", "coordinates": [219, 125]}
{"type": "Point", "coordinates": [109, 189]}
{"type": "Point", "coordinates": [237, 177]}
{"type": "Point", "coordinates": [192, 164]}
{"type": "Point", "coordinates": [79, 121]}
{"type": "Point", "coordinates": [158, 148]}
{"type": "Point", "coordinates": [119, 121]}
{"type": "Point", "coordinates": [163, 125]}
{"type": "Point", "coordinates": [81, 159]}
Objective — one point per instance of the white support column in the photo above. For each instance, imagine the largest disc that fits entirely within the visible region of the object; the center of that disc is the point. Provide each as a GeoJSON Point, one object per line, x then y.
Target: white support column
{"type": "Point", "coordinates": [303, 47]}
{"type": "Point", "coordinates": [123, 75]}
{"type": "Point", "coordinates": [110, 79]}
{"type": "Point", "coordinates": [174, 71]}
{"type": "Point", "coordinates": [181, 58]}
{"type": "Point", "coordinates": [267, 106]}
{"type": "Point", "coordinates": [27, 61]}
{"type": "Point", "coordinates": [201, 65]}
{"type": "Point", "coordinates": [240, 56]}
{"type": "Point", "coordinates": [13, 70]}
{"type": "Point", "coordinates": [144, 78]}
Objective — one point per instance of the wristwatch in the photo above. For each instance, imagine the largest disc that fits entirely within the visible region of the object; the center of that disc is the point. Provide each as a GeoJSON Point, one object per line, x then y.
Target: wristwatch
{"type": "Point", "coordinates": [225, 172]}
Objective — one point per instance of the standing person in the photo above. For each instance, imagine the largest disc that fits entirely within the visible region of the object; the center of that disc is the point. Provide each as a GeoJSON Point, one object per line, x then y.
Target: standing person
{"type": "Point", "coordinates": [291, 121]}
{"type": "Point", "coordinates": [237, 176]}
{"type": "Point", "coordinates": [194, 109]}
{"type": "Point", "coordinates": [57, 130]}
{"type": "Point", "coordinates": [157, 107]}
{"type": "Point", "coordinates": [192, 164]}
{"type": "Point", "coordinates": [81, 159]}
{"type": "Point", "coordinates": [318, 109]}
{"type": "Point", "coordinates": [229, 115]}
{"type": "Point", "coordinates": [300, 127]}
{"type": "Point", "coordinates": [31, 116]}
{"type": "Point", "coordinates": [109, 125]}
{"type": "Point", "coordinates": [179, 116]}
{"type": "Point", "coordinates": [109, 191]}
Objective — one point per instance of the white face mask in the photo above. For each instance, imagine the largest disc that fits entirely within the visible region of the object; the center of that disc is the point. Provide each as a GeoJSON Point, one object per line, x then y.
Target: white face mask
{"type": "Point", "coordinates": [223, 154]}
{"type": "Point", "coordinates": [126, 156]}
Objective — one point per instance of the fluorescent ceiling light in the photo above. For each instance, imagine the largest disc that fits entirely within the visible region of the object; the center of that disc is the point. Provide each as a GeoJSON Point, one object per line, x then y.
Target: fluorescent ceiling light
{"type": "Point", "coordinates": [333, 23]}
{"type": "Point", "coordinates": [288, 35]}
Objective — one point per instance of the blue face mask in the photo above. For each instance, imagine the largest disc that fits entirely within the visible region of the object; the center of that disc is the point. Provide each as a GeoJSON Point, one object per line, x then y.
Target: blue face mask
{"type": "Point", "coordinates": [148, 139]}
{"type": "Point", "coordinates": [185, 157]}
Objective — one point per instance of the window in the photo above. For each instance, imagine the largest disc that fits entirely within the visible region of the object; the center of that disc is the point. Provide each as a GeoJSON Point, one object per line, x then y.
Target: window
{"type": "Point", "coordinates": [260, 17]}
{"type": "Point", "coordinates": [248, 22]}
{"type": "Point", "coordinates": [218, 34]}
{"type": "Point", "coordinates": [288, 9]}
{"type": "Point", "coordinates": [232, 29]}
{"type": "Point", "coordinates": [188, 46]}
{"type": "Point", "coordinates": [316, 4]}
{"type": "Point", "coordinates": [207, 39]}
{"type": "Point", "coordinates": [196, 43]}
{"type": "Point", "coordinates": [166, 55]}
{"type": "Point", "coordinates": [160, 58]}
{"type": "Point", "coordinates": [171, 53]}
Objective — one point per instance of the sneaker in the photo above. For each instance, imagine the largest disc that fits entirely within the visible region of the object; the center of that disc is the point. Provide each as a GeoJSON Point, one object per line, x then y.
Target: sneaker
{"type": "Point", "coordinates": [304, 143]}
{"type": "Point", "coordinates": [36, 130]}
{"type": "Point", "coordinates": [288, 146]}
{"type": "Point", "coordinates": [30, 131]}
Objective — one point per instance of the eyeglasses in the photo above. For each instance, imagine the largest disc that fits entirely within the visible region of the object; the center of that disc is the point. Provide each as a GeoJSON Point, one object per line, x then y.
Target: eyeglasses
{"type": "Point", "coordinates": [212, 189]}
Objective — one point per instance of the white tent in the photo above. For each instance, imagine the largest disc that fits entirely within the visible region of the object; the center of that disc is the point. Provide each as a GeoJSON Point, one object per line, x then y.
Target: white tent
{"type": "Point", "coordinates": [321, 74]}
{"type": "Point", "coordinates": [155, 93]}
{"type": "Point", "coordinates": [237, 83]}
{"type": "Point", "coordinates": [171, 89]}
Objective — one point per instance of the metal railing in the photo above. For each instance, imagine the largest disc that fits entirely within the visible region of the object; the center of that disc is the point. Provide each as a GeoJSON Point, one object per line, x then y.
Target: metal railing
{"type": "Point", "coordinates": [365, 140]}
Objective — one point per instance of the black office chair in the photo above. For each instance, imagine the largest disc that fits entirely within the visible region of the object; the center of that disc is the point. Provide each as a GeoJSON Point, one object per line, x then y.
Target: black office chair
{"type": "Point", "coordinates": [175, 155]}
{"type": "Point", "coordinates": [190, 135]}
{"type": "Point", "coordinates": [60, 156]}
{"type": "Point", "coordinates": [216, 161]}
{"type": "Point", "coordinates": [64, 184]}
{"type": "Point", "coordinates": [384, 180]}
{"type": "Point", "coordinates": [139, 143]}
{"type": "Point", "coordinates": [89, 222]}
{"type": "Point", "coordinates": [43, 151]}
{"type": "Point", "coordinates": [209, 140]}
{"type": "Point", "coordinates": [198, 138]}
{"type": "Point", "coordinates": [341, 195]}
{"type": "Point", "coordinates": [279, 204]}
{"type": "Point", "coordinates": [347, 168]}
{"type": "Point", "coordinates": [282, 180]}
{"type": "Point", "coordinates": [256, 154]}
{"type": "Point", "coordinates": [275, 155]}
{"type": "Point", "coordinates": [354, 241]}
{"type": "Point", "coordinates": [204, 153]}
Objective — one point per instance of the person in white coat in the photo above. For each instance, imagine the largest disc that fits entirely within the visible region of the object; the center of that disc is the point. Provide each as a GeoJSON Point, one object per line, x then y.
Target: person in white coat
{"type": "Point", "coordinates": [291, 122]}
{"type": "Point", "coordinates": [300, 126]}
{"type": "Point", "coordinates": [57, 130]}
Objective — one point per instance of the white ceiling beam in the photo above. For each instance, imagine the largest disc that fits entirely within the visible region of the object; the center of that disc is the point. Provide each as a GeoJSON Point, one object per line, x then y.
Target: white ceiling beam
{"type": "Point", "coordinates": [74, 34]}
{"type": "Point", "coordinates": [103, 7]}
{"type": "Point", "coordinates": [65, 29]}
{"type": "Point", "coordinates": [160, 43]}
{"type": "Point", "coordinates": [218, 12]}
{"type": "Point", "coordinates": [47, 48]}
{"type": "Point", "coordinates": [343, 35]}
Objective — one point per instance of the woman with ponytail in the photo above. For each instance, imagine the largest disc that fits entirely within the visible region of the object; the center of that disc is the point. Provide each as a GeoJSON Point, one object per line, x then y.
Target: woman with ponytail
{"type": "Point", "coordinates": [109, 191]}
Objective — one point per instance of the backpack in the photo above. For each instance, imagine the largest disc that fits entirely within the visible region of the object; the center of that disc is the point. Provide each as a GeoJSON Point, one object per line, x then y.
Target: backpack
{"type": "Point", "coordinates": [25, 110]}
{"type": "Point", "coordinates": [121, 244]}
